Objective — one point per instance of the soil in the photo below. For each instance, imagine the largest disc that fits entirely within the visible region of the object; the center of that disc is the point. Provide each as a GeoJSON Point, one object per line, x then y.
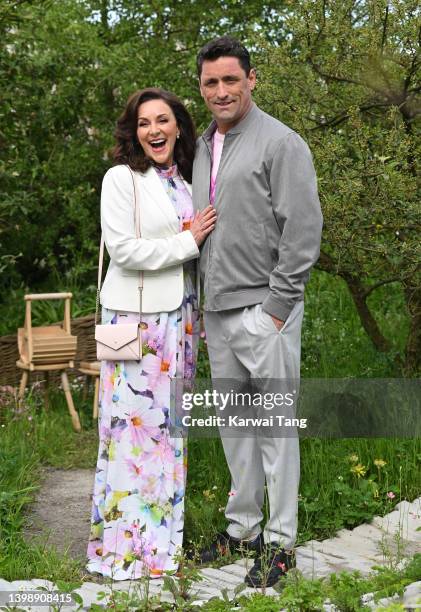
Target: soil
{"type": "Point", "coordinates": [60, 516]}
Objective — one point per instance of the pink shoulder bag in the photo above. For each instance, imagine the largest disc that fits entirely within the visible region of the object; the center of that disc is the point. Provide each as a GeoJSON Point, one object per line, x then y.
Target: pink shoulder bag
{"type": "Point", "coordinates": [122, 341]}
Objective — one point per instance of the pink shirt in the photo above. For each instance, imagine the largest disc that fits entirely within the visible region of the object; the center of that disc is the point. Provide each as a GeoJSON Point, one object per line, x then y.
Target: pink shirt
{"type": "Point", "coordinates": [218, 143]}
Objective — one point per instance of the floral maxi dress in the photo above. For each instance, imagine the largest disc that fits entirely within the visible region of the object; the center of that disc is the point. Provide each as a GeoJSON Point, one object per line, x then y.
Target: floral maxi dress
{"type": "Point", "coordinates": [138, 499]}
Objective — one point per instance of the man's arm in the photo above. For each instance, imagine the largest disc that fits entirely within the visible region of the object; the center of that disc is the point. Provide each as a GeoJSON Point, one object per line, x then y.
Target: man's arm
{"type": "Point", "coordinates": [297, 210]}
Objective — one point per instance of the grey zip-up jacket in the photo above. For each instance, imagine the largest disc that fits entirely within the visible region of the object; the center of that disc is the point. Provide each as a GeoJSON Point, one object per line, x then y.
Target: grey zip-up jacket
{"type": "Point", "coordinates": [267, 234]}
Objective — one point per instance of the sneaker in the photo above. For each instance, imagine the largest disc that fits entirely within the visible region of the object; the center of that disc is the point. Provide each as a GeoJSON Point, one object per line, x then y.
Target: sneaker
{"type": "Point", "coordinates": [273, 563]}
{"type": "Point", "coordinates": [224, 545]}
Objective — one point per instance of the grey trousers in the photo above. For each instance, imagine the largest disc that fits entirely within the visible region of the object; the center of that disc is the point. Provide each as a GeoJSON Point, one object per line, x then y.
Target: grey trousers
{"type": "Point", "coordinates": [244, 344]}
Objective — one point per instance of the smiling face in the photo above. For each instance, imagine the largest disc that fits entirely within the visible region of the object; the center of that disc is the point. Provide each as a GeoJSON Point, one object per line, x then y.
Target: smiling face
{"type": "Point", "coordinates": [226, 90]}
{"type": "Point", "coordinates": [157, 131]}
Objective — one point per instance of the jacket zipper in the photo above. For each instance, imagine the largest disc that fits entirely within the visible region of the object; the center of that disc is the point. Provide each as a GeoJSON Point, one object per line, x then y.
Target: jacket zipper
{"type": "Point", "coordinates": [207, 275]}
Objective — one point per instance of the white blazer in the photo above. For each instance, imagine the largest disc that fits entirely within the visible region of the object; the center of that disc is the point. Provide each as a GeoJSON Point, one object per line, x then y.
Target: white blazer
{"type": "Point", "coordinates": [160, 252]}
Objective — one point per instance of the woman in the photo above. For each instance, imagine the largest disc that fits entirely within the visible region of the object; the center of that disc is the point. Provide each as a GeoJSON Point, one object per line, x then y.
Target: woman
{"type": "Point", "coordinates": [138, 500]}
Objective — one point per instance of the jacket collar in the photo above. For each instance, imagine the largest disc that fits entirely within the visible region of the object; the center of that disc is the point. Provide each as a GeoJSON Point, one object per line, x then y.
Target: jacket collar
{"type": "Point", "coordinates": [238, 128]}
{"type": "Point", "coordinates": [153, 186]}
{"type": "Point", "coordinates": [153, 182]}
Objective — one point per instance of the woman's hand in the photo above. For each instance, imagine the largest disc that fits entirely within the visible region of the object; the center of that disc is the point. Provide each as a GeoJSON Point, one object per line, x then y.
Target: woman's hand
{"type": "Point", "coordinates": [203, 223]}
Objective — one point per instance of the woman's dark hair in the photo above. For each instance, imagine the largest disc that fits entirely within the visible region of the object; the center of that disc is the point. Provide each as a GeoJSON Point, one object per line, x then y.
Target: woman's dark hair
{"type": "Point", "coordinates": [226, 46]}
{"type": "Point", "coordinates": [128, 149]}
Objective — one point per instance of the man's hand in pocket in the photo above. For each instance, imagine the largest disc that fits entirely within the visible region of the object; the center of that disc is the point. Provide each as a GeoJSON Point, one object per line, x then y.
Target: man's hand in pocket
{"type": "Point", "coordinates": [278, 323]}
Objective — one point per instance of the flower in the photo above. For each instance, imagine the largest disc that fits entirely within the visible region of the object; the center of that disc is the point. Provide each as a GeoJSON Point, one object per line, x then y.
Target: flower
{"type": "Point", "coordinates": [391, 495]}
{"type": "Point", "coordinates": [359, 470]}
{"type": "Point", "coordinates": [353, 458]}
{"type": "Point", "coordinates": [231, 493]}
{"type": "Point", "coordinates": [165, 366]}
{"type": "Point", "coordinates": [135, 468]}
{"type": "Point", "coordinates": [162, 453]}
{"type": "Point", "coordinates": [379, 463]}
{"type": "Point", "coordinates": [144, 426]}
{"type": "Point", "coordinates": [117, 540]}
{"type": "Point", "coordinates": [282, 566]}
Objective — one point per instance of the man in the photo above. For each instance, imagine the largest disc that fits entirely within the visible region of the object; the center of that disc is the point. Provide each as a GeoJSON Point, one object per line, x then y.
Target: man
{"type": "Point", "coordinates": [259, 175]}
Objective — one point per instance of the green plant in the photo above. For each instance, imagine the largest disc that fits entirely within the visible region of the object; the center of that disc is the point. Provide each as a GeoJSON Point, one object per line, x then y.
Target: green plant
{"type": "Point", "coordinates": [393, 607]}
{"type": "Point", "coordinates": [180, 583]}
{"type": "Point", "coordinates": [345, 591]}
{"type": "Point", "coordinates": [300, 595]}
{"type": "Point", "coordinates": [137, 597]}
{"type": "Point", "coordinates": [258, 602]}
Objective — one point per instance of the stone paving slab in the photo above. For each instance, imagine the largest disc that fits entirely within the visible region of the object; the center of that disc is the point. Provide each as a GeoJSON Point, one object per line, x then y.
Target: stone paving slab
{"type": "Point", "coordinates": [412, 596]}
{"type": "Point", "coordinates": [312, 563]}
{"type": "Point", "coordinates": [315, 558]}
{"type": "Point", "coordinates": [359, 548]}
{"type": "Point", "coordinates": [340, 559]}
{"type": "Point", "coordinates": [220, 577]}
{"type": "Point", "coordinates": [367, 531]}
{"type": "Point", "coordinates": [407, 506]}
{"type": "Point", "coordinates": [398, 522]}
{"type": "Point", "coordinates": [206, 592]}
{"type": "Point", "coordinates": [352, 544]}
{"type": "Point", "coordinates": [237, 570]}
{"type": "Point", "coordinates": [41, 582]}
{"type": "Point", "coordinates": [5, 585]}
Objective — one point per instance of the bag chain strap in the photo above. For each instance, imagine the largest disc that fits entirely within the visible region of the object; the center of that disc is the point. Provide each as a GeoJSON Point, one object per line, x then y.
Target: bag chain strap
{"type": "Point", "coordinates": [101, 256]}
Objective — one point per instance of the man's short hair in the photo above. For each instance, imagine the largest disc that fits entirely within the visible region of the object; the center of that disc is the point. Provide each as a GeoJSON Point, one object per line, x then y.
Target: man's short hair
{"type": "Point", "coordinates": [226, 46]}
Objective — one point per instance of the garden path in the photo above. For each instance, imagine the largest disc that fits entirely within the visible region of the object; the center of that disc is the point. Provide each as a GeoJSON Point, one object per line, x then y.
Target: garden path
{"type": "Point", "coordinates": [61, 513]}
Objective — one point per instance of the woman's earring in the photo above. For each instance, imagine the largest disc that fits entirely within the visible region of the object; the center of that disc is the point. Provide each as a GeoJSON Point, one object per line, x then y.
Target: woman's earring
{"type": "Point", "coordinates": [178, 135]}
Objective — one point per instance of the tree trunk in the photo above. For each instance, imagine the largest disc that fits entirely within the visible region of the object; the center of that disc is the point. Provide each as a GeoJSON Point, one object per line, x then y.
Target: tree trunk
{"type": "Point", "coordinates": [107, 87]}
{"type": "Point", "coordinates": [412, 364]}
{"type": "Point", "coordinates": [358, 292]}
{"type": "Point", "coordinates": [367, 320]}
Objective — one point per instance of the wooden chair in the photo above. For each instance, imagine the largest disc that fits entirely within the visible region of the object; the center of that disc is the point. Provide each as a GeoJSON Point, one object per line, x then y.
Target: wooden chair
{"type": "Point", "coordinates": [48, 348]}
{"type": "Point", "coordinates": [92, 368]}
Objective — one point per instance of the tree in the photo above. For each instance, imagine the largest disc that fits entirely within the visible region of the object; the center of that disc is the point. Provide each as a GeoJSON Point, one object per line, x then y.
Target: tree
{"type": "Point", "coordinates": [347, 79]}
{"type": "Point", "coordinates": [66, 70]}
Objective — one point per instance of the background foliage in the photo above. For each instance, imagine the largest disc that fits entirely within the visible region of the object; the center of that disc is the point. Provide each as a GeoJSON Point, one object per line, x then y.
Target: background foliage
{"type": "Point", "coordinates": [348, 80]}
{"type": "Point", "coordinates": [345, 75]}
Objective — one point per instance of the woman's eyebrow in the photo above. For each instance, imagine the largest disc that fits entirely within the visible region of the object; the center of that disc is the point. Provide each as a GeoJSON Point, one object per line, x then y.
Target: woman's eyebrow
{"type": "Point", "coordinates": [163, 115]}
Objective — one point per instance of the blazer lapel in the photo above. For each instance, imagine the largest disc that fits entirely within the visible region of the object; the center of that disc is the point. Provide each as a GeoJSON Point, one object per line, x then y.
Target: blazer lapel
{"type": "Point", "coordinates": [156, 191]}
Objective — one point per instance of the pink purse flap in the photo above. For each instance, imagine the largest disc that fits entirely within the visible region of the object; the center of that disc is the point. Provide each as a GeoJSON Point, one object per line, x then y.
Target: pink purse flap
{"type": "Point", "coordinates": [116, 336]}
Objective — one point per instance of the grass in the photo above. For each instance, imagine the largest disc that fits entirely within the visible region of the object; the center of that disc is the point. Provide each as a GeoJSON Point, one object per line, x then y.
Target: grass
{"type": "Point", "coordinates": [31, 438]}
{"type": "Point", "coordinates": [332, 496]}
{"type": "Point", "coordinates": [337, 490]}
{"type": "Point", "coordinates": [334, 343]}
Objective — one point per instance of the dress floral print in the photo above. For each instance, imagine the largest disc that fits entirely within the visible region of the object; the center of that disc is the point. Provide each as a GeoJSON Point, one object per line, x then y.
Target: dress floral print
{"type": "Point", "coordinates": [138, 500]}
